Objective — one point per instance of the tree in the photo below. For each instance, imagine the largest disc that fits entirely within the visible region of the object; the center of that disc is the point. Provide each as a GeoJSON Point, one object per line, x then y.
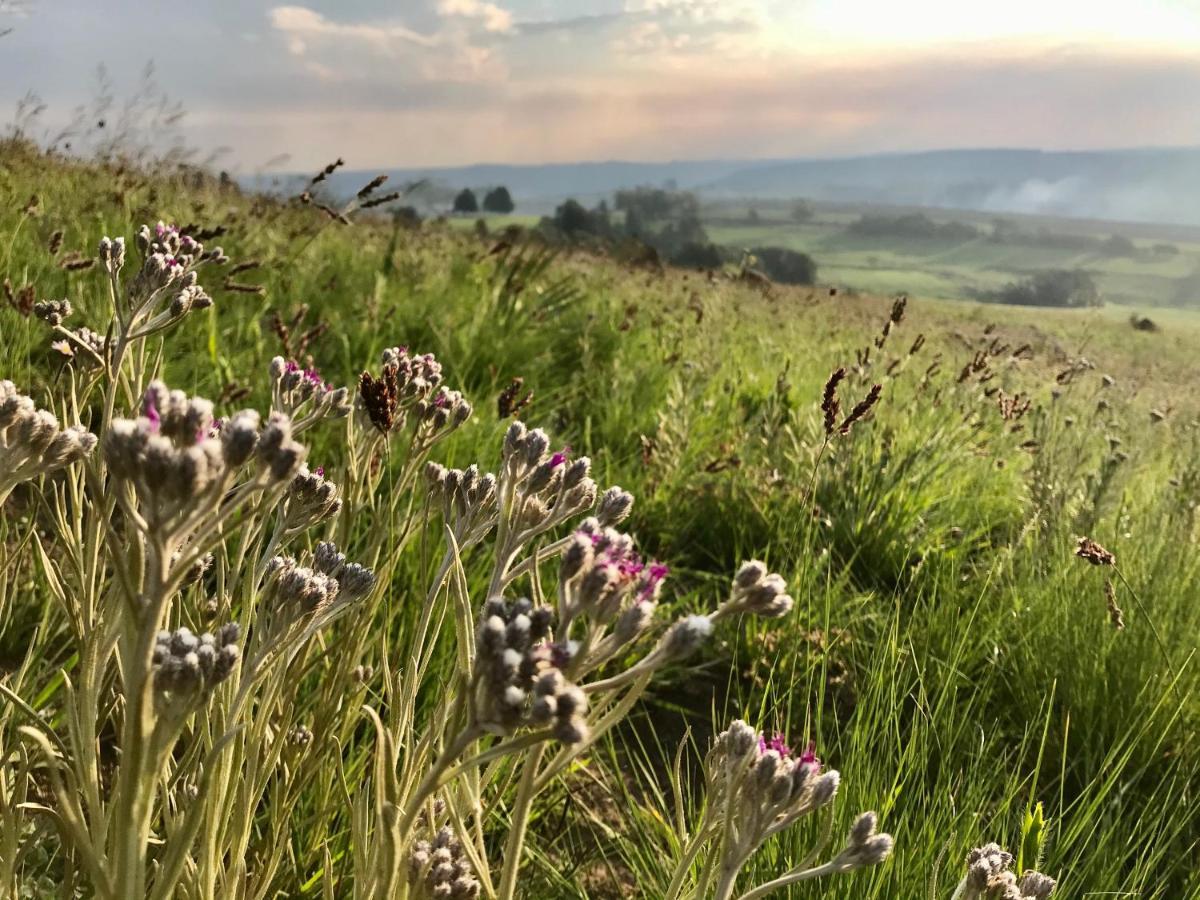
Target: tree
{"type": "Point", "coordinates": [1119, 245]}
{"type": "Point", "coordinates": [802, 211]}
{"type": "Point", "coordinates": [498, 200]}
{"type": "Point", "coordinates": [1052, 287]}
{"type": "Point", "coordinates": [465, 202]}
{"type": "Point", "coordinates": [786, 266]}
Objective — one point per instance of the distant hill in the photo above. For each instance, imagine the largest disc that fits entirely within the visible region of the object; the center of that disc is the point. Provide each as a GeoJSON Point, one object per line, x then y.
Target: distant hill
{"type": "Point", "coordinates": [1131, 185]}
{"type": "Point", "coordinates": [1151, 185]}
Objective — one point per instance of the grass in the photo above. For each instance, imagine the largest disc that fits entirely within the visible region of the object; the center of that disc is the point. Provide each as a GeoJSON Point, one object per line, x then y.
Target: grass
{"type": "Point", "coordinates": [954, 269]}
{"type": "Point", "coordinates": [947, 652]}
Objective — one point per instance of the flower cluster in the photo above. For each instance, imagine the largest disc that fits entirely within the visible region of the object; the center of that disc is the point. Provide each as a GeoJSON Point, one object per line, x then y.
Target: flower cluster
{"type": "Point", "coordinates": [354, 580]}
{"type": "Point", "coordinates": [31, 441]}
{"type": "Point", "coordinates": [52, 312]}
{"type": "Point", "coordinates": [296, 592]}
{"type": "Point", "coordinates": [758, 592]}
{"type": "Point", "coordinates": [467, 498]}
{"type": "Point", "coordinates": [757, 788]}
{"type": "Point", "coordinates": [761, 788]}
{"type": "Point", "coordinates": [990, 877]}
{"type": "Point", "coordinates": [511, 653]}
{"type": "Point", "coordinates": [310, 500]}
{"type": "Point", "coordinates": [410, 384]}
{"type": "Point", "coordinates": [545, 488]}
{"type": "Point", "coordinates": [602, 577]}
{"type": "Point", "coordinates": [174, 456]}
{"type": "Point", "coordinates": [166, 286]}
{"type": "Point", "coordinates": [439, 869]}
{"type": "Point", "coordinates": [304, 396]}
{"type": "Point", "coordinates": [188, 666]}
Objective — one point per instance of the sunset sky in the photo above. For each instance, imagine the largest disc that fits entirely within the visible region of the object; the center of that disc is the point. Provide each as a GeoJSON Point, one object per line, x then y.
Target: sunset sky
{"type": "Point", "coordinates": [429, 82]}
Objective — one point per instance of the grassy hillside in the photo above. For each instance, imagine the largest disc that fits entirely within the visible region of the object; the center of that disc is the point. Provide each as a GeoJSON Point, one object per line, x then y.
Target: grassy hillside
{"type": "Point", "coordinates": [947, 652]}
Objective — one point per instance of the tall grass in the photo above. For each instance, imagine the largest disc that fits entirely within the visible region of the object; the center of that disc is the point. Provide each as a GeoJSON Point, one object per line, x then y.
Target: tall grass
{"type": "Point", "coordinates": [946, 652]}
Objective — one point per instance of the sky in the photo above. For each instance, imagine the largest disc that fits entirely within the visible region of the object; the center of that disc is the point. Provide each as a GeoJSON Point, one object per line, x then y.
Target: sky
{"type": "Point", "coordinates": [452, 82]}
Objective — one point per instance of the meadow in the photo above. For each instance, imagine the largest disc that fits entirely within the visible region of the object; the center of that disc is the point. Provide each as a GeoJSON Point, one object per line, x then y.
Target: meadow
{"type": "Point", "coordinates": [972, 678]}
{"type": "Point", "coordinates": [963, 267]}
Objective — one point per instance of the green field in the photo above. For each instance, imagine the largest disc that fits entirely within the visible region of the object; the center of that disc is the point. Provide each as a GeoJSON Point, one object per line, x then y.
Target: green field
{"type": "Point", "coordinates": [947, 652]}
{"type": "Point", "coordinates": [957, 269]}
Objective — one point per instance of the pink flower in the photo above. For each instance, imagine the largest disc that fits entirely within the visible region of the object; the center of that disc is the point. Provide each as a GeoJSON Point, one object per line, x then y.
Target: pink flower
{"type": "Point", "coordinates": [809, 755]}
{"type": "Point", "coordinates": [150, 409]}
{"type": "Point", "coordinates": [775, 743]}
{"type": "Point", "coordinates": [560, 457]}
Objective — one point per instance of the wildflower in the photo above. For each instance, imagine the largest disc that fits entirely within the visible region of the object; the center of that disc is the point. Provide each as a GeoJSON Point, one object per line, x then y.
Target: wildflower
{"type": "Point", "coordinates": [511, 654]}
{"type": "Point", "coordinates": [757, 788]}
{"type": "Point", "coordinates": [468, 499]}
{"type": "Point", "coordinates": [989, 878]}
{"type": "Point", "coordinates": [615, 506]}
{"type": "Point", "coordinates": [187, 666]}
{"type": "Point", "coordinates": [309, 501]}
{"type": "Point", "coordinates": [440, 869]}
{"type": "Point", "coordinates": [402, 381]}
{"type": "Point", "coordinates": [31, 441]}
{"type": "Point", "coordinates": [686, 636]}
{"type": "Point", "coordinates": [759, 593]}
{"type": "Point", "coordinates": [52, 312]}
{"type": "Point", "coordinates": [304, 396]}
{"type": "Point", "coordinates": [173, 460]}
{"type": "Point", "coordinates": [112, 254]}
{"type": "Point", "coordinates": [295, 591]}
{"type": "Point", "coordinates": [1094, 553]}
{"type": "Point", "coordinates": [355, 581]}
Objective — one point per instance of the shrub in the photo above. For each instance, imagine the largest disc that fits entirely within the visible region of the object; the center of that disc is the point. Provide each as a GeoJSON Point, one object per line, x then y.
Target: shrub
{"type": "Point", "coordinates": [786, 266]}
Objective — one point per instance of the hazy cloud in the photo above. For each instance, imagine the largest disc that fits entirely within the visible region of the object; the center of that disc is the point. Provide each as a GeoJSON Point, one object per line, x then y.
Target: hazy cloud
{"type": "Point", "coordinates": [454, 81]}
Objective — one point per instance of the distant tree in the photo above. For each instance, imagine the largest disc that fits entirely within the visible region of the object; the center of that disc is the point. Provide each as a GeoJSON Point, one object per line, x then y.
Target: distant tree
{"type": "Point", "coordinates": [752, 216]}
{"type": "Point", "coordinates": [1053, 287]}
{"type": "Point", "coordinates": [1118, 245]}
{"type": "Point", "coordinates": [912, 226]}
{"type": "Point", "coordinates": [465, 201]}
{"type": "Point", "coordinates": [802, 211]}
{"type": "Point", "coordinates": [696, 255]}
{"type": "Point", "coordinates": [786, 266]}
{"type": "Point", "coordinates": [1165, 250]}
{"type": "Point", "coordinates": [574, 220]}
{"type": "Point", "coordinates": [498, 200]}
{"type": "Point", "coordinates": [406, 216]}
{"type": "Point", "coordinates": [633, 223]}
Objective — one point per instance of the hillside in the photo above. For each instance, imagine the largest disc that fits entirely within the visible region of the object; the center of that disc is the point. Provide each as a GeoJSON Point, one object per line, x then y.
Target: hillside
{"type": "Point", "coordinates": [945, 649]}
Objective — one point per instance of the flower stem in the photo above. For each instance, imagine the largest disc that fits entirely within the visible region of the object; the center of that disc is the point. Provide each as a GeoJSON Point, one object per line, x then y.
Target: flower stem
{"type": "Point", "coordinates": [515, 844]}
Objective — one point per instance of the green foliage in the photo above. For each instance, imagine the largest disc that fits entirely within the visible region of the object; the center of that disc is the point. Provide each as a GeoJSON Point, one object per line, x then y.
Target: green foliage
{"type": "Point", "coordinates": [1056, 287]}
{"type": "Point", "coordinates": [465, 202]}
{"type": "Point", "coordinates": [786, 266]}
{"type": "Point", "coordinates": [498, 200]}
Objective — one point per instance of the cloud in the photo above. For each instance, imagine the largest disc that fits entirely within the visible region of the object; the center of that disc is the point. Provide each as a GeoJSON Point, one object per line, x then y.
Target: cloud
{"type": "Point", "coordinates": [369, 53]}
{"type": "Point", "coordinates": [490, 15]}
{"type": "Point", "coordinates": [300, 25]}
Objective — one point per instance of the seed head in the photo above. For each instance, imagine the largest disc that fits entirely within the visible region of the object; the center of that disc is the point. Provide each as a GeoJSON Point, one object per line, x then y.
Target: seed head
{"type": "Point", "coordinates": [1089, 550]}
